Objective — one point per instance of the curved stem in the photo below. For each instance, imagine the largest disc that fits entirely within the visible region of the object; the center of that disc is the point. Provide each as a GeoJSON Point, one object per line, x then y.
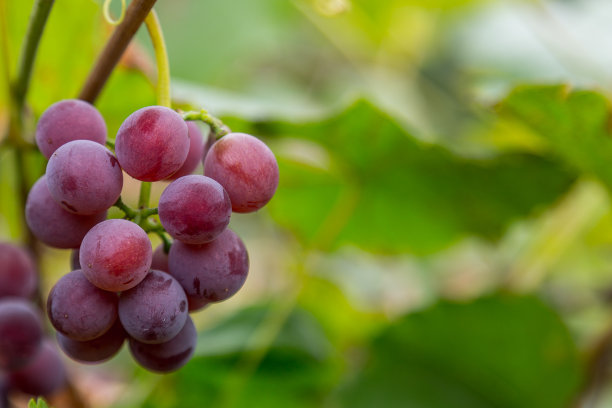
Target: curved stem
{"type": "Point", "coordinates": [161, 59]}
{"type": "Point", "coordinates": [145, 195]}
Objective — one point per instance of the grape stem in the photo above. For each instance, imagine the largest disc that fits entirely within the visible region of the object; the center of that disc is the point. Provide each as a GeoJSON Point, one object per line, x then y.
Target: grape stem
{"type": "Point", "coordinates": [216, 125]}
{"type": "Point", "coordinates": [161, 59]}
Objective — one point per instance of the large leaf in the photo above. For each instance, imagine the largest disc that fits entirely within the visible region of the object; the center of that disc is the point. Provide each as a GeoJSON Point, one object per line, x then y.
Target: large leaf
{"type": "Point", "coordinates": [574, 125]}
{"type": "Point", "coordinates": [501, 351]}
{"type": "Point", "coordinates": [359, 178]}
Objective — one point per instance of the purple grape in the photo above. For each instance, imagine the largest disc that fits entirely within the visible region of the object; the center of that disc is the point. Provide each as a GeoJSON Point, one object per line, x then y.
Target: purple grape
{"type": "Point", "coordinates": [97, 350]}
{"type": "Point", "coordinates": [84, 177]}
{"type": "Point", "coordinates": [53, 225]}
{"type": "Point", "coordinates": [197, 303]}
{"type": "Point", "coordinates": [4, 403]}
{"type": "Point", "coordinates": [17, 272]}
{"type": "Point", "coordinates": [168, 356]}
{"type": "Point", "coordinates": [246, 168]}
{"type": "Point", "coordinates": [152, 143]}
{"type": "Point", "coordinates": [20, 333]}
{"type": "Point", "coordinates": [210, 140]}
{"type": "Point", "coordinates": [194, 209]}
{"type": "Point", "coordinates": [155, 310]}
{"type": "Point", "coordinates": [196, 150]}
{"type": "Point", "coordinates": [74, 260]}
{"type": "Point", "coordinates": [69, 120]}
{"type": "Point", "coordinates": [115, 255]}
{"type": "Point", "coordinates": [160, 259]}
{"type": "Point", "coordinates": [79, 310]}
{"type": "Point", "coordinates": [44, 375]}
{"type": "Point", "coordinates": [210, 272]}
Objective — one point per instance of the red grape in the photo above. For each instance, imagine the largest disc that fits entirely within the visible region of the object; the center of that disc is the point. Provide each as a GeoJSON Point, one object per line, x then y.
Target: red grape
{"type": "Point", "coordinates": [44, 375]}
{"type": "Point", "coordinates": [84, 177]}
{"type": "Point", "coordinates": [194, 209]}
{"type": "Point", "coordinates": [17, 273]}
{"type": "Point", "coordinates": [213, 271]}
{"type": "Point", "coordinates": [69, 120]}
{"type": "Point", "coordinates": [152, 143]}
{"type": "Point", "coordinates": [79, 310]}
{"type": "Point", "coordinates": [168, 356]}
{"type": "Point", "coordinates": [96, 350]}
{"type": "Point", "coordinates": [246, 168]}
{"type": "Point", "coordinates": [160, 259]}
{"type": "Point", "coordinates": [155, 310]}
{"type": "Point", "coordinates": [115, 255]}
{"type": "Point", "coordinates": [20, 333]}
{"type": "Point", "coordinates": [53, 225]}
{"type": "Point", "coordinates": [196, 150]}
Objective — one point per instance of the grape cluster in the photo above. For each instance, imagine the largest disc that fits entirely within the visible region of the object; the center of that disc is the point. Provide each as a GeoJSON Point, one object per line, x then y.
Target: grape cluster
{"type": "Point", "coordinates": [119, 288]}
{"type": "Point", "coordinates": [29, 363]}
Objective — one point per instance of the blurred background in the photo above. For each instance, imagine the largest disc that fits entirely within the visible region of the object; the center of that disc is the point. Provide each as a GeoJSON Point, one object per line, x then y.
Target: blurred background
{"type": "Point", "coordinates": [442, 232]}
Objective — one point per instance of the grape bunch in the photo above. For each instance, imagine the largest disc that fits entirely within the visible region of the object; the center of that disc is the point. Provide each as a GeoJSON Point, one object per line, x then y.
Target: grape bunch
{"type": "Point", "coordinates": [118, 288]}
{"type": "Point", "coordinates": [29, 363]}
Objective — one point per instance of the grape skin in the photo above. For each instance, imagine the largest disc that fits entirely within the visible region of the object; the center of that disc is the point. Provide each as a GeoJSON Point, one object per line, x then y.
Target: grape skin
{"type": "Point", "coordinates": [20, 333]}
{"type": "Point", "coordinates": [210, 272]}
{"type": "Point", "coordinates": [246, 168]}
{"type": "Point", "coordinates": [53, 225]}
{"type": "Point", "coordinates": [44, 375]}
{"type": "Point", "coordinates": [155, 310]}
{"type": "Point", "coordinates": [168, 356]}
{"type": "Point", "coordinates": [152, 143]}
{"type": "Point", "coordinates": [79, 310]}
{"type": "Point", "coordinates": [18, 274]}
{"type": "Point", "coordinates": [84, 177]}
{"type": "Point", "coordinates": [69, 120]}
{"type": "Point", "coordinates": [196, 150]}
{"type": "Point", "coordinates": [97, 350]}
{"type": "Point", "coordinates": [194, 209]}
{"type": "Point", "coordinates": [160, 259]}
{"type": "Point", "coordinates": [116, 255]}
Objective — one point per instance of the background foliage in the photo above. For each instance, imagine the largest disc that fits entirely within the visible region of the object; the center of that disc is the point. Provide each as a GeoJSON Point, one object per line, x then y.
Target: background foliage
{"type": "Point", "coordinates": [442, 233]}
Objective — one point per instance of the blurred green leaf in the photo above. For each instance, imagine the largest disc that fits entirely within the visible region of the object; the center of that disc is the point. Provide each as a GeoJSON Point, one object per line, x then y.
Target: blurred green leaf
{"type": "Point", "coordinates": [359, 178]}
{"type": "Point", "coordinates": [40, 403]}
{"type": "Point", "coordinates": [499, 351]}
{"type": "Point", "coordinates": [573, 124]}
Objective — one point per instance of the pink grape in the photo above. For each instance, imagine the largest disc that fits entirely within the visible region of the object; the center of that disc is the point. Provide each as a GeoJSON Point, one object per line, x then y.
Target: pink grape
{"type": "Point", "coordinates": [96, 350]}
{"type": "Point", "coordinates": [44, 375]}
{"type": "Point", "coordinates": [152, 143]}
{"type": "Point", "coordinates": [79, 310]}
{"type": "Point", "coordinates": [194, 209]}
{"type": "Point", "coordinates": [20, 333]}
{"type": "Point", "coordinates": [116, 255]}
{"type": "Point", "coordinates": [84, 177]}
{"type": "Point", "coordinates": [17, 272]}
{"type": "Point", "coordinates": [160, 259]}
{"type": "Point", "coordinates": [196, 150]}
{"type": "Point", "coordinates": [246, 168]}
{"type": "Point", "coordinates": [69, 120]}
{"type": "Point", "coordinates": [210, 272]}
{"type": "Point", "coordinates": [53, 225]}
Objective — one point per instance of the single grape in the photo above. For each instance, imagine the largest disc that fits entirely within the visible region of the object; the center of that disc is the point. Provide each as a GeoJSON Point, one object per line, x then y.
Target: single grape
{"type": "Point", "coordinates": [197, 303]}
{"type": "Point", "coordinates": [79, 310]}
{"type": "Point", "coordinates": [17, 272]}
{"type": "Point", "coordinates": [155, 310]}
{"type": "Point", "coordinates": [97, 350]}
{"type": "Point", "coordinates": [152, 143]}
{"type": "Point", "coordinates": [196, 150]}
{"type": "Point", "coordinates": [44, 375]}
{"type": "Point", "coordinates": [210, 272]}
{"type": "Point", "coordinates": [246, 168]}
{"type": "Point", "coordinates": [194, 209]}
{"type": "Point", "coordinates": [20, 333]}
{"type": "Point", "coordinates": [160, 259]}
{"type": "Point", "coordinates": [69, 120]}
{"type": "Point", "coordinates": [53, 225]}
{"type": "Point", "coordinates": [168, 356]}
{"type": "Point", "coordinates": [84, 177]}
{"type": "Point", "coordinates": [115, 255]}
{"type": "Point", "coordinates": [74, 260]}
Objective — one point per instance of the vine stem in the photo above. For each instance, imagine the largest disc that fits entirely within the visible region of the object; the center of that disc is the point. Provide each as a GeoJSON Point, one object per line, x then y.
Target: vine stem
{"type": "Point", "coordinates": [116, 45]}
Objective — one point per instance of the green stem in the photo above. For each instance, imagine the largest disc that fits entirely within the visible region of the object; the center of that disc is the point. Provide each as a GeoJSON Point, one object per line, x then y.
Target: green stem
{"type": "Point", "coordinates": [145, 195]}
{"type": "Point", "coordinates": [216, 125]}
{"type": "Point", "coordinates": [161, 59]}
{"type": "Point", "coordinates": [129, 212]}
{"type": "Point", "coordinates": [167, 241]}
{"type": "Point", "coordinates": [38, 19]}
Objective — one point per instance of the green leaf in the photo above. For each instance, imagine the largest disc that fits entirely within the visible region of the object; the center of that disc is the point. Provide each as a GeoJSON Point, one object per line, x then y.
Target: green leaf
{"type": "Point", "coordinates": [359, 178]}
{"type": "Point", "coordinates": [573, 124]}
{"type": "Point", "coordinates": [500, 351]}
{"type": "Point", "coordinates": [40, 403]}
